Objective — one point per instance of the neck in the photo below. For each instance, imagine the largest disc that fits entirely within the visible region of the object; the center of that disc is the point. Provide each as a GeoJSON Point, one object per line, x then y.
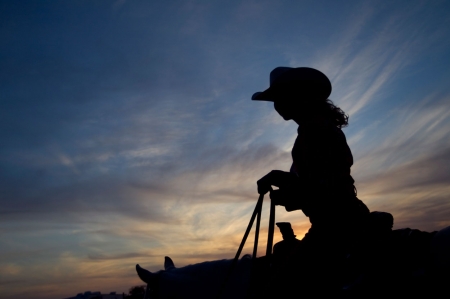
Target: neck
{"type": "Point", "coordinates": [314, 121]}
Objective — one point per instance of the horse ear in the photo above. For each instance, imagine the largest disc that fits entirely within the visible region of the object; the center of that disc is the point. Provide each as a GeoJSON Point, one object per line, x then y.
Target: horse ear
{"type": "Point", "coordinates": [168, 263]}
{"type": "Point", "coordinates": [145, 275]}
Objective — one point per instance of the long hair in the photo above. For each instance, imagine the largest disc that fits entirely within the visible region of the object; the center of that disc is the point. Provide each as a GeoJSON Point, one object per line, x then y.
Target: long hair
{"type": "Point", "coordinates": [333, 113]}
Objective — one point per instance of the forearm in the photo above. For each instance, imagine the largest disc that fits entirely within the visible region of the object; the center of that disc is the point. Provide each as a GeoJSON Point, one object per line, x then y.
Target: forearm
{"type": "Point", "coordinates": [277, 178]}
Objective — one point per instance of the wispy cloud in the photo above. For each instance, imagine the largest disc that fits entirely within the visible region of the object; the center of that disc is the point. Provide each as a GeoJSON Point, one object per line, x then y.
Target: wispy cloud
{"type": "Point", "coordinates": [132, 135]}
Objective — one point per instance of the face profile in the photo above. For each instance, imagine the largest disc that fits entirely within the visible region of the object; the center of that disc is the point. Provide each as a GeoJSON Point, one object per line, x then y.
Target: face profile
{"type": "Point", "coordinates": [296, 92]}
{"type": "Point", "coordinates": [299, 111]}
{"type": "Point", "coordinates": [285, 109]}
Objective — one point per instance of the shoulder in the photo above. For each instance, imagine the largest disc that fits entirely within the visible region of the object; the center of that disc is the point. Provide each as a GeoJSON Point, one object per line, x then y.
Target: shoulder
{"type": "Point", "coordinates": [335, 132]}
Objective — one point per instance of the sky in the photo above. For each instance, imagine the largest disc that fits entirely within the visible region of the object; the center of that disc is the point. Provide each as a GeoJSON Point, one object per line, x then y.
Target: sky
{"type": "Point", "coordinates": [127, 131]}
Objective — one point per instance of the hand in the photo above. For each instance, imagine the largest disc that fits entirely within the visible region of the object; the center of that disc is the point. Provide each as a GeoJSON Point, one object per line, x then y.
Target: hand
{"type": "Point", "coordinates": [278, 197]}
{"type": "Point", "coordinates": [272, 178]}
{"type": "Point", "coordinates": [263, 186]}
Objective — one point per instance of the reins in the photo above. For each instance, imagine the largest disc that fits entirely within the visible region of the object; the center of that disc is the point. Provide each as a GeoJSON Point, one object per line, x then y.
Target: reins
{"type": "Point", "coordinates": [256, 214]}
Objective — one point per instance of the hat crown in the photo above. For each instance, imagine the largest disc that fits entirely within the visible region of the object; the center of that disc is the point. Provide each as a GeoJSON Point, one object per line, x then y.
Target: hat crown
{"type": "Point", "coordinates": [277, 72]}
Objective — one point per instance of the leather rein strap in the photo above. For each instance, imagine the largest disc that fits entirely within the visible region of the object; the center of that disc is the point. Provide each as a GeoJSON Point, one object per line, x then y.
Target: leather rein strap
{"type": "Point", "coordinates": [256, 214]}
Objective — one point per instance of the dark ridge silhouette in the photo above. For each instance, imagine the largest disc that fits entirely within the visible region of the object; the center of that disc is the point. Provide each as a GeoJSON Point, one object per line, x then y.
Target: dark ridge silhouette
{"type": "Point", "coordinates": [402, 262]}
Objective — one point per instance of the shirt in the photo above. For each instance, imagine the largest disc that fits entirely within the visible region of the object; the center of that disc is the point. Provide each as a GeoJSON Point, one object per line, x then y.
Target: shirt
{"type": "Point", "coordinates": [322, 160]}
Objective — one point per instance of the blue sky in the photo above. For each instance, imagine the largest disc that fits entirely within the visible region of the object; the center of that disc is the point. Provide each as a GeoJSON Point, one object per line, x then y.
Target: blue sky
{"type": "Point", "coordinates": [127, 131]}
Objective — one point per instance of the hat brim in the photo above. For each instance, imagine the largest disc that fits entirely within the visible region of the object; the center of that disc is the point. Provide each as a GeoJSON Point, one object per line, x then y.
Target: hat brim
{"type": "Point", "coordinates": [307, 90]}
{"type": "Point", "coordinates": [272, 93]}
{"type": "Point", "coordinates": [262, 96]}
{"type": "Point", "coordinates": [296, 83]}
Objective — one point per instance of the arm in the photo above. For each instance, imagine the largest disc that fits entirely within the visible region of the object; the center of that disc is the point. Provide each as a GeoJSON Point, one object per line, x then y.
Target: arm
{"type": "Point", "coordinates": [278, 178]}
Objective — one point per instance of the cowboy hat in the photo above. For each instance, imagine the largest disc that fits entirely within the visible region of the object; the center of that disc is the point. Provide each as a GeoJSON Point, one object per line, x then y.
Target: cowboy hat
{"type": "Point", "coordinates": [299, 82]}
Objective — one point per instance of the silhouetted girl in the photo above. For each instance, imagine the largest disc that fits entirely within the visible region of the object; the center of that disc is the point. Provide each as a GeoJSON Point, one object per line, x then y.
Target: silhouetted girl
{"type": "Point", "coordinates": [319, 182]}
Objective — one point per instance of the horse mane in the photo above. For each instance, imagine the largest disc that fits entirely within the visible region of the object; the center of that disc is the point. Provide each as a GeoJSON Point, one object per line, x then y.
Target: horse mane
{"type": "Point", "coordinates": [208, 268]}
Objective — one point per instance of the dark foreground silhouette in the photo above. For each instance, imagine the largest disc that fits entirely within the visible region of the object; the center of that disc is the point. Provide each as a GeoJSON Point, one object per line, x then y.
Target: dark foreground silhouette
{"type": "Point", "coordinates": [348, 251]}
{"type": "Point", "coordinates": [403, 262]}
{"type": "Point", "coordinates": [319, 182]}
